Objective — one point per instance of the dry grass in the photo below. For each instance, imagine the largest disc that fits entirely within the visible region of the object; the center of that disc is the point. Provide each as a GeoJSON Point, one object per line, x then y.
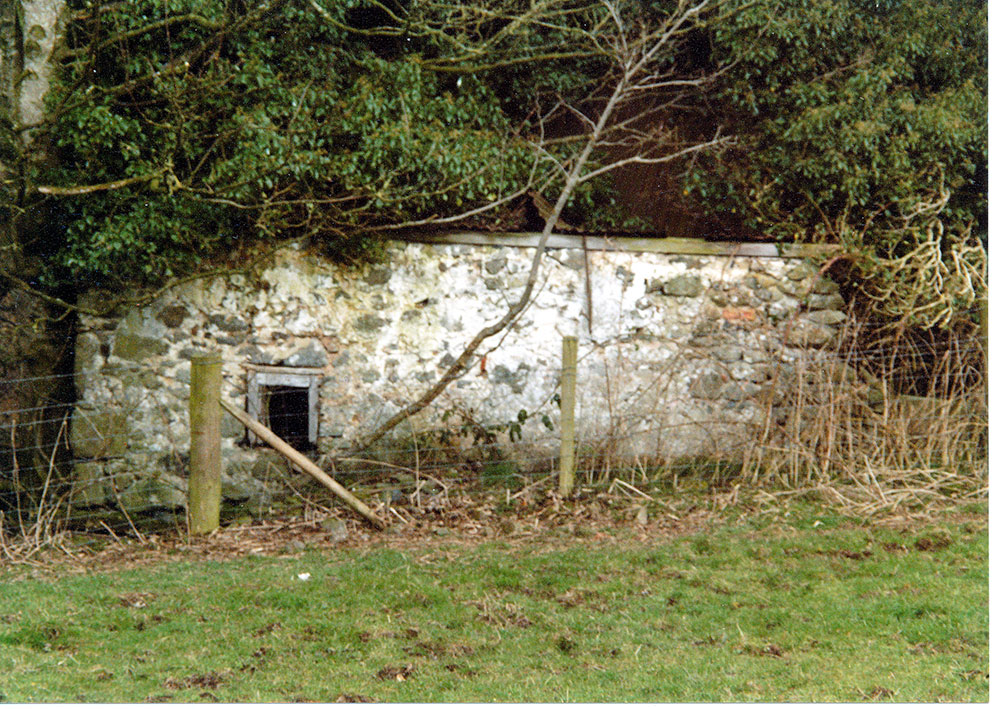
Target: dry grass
{"type": "Point", "coordinates": [874, 424]}
{"type": "Point", "coordinates": [847, 434]}
{"type": "Point", "coordinates": [465, 517]}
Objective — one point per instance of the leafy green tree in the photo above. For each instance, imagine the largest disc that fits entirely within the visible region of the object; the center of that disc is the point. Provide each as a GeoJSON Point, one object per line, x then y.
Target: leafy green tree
{"type": "Point", "coordinates": [862, 123]}
{"type": "Point", "coordinates": [181, 128]}
{"type": "Point", "coordinates": [177, 130]}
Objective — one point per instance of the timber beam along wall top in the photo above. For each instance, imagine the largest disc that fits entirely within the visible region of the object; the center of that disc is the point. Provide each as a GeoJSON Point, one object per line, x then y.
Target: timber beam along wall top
{"type": "Point", "coordinates": [631, 244]}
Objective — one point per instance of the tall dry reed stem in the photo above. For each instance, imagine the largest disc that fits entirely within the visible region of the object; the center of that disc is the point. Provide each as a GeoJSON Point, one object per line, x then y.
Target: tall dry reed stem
{"type": "Point", "coordinates": [849, 435]}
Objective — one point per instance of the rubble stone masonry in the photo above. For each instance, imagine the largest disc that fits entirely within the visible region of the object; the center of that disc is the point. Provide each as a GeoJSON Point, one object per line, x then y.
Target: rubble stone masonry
{"type": "Point", "coordinates": [677, 354]}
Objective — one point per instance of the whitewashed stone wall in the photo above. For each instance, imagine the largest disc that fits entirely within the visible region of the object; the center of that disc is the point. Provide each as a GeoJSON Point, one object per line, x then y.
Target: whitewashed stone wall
{"type": "Point", "coordinates": [682, 354]}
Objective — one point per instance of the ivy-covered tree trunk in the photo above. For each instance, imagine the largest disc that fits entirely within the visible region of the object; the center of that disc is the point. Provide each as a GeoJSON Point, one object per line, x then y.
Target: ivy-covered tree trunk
{"type": "Point", "coordinates": [29, 31]}
{"type": "Point", "coordinates": [35, 342]}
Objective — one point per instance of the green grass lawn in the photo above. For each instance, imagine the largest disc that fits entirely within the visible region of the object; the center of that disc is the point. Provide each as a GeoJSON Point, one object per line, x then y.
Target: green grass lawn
{"type": "Point", "coordinates": [814, 607]}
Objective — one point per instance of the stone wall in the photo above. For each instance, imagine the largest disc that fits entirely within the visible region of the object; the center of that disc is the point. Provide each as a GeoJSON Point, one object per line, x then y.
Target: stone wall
{"type": "Point", "coordinates": [678, 355]}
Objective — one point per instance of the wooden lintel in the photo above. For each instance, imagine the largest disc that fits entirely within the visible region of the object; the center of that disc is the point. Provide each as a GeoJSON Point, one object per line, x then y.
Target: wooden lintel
{"type": "Point", "coordinates": [274, 369]}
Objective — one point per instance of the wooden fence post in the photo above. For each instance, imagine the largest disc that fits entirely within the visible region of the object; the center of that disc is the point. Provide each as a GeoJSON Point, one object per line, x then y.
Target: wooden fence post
{"type": "Point", "coordinates": [566, 473]}
{"type": "Point", "coordinates": [983, 326]}
{"type": "Point", "coordinates": [983, 334]}
{"type": "Point", "coordinates": [204, 444]}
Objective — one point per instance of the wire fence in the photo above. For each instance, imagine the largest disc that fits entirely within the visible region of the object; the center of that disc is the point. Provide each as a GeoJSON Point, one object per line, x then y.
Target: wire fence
{"type": "Point", "coordinates": [869, 424]}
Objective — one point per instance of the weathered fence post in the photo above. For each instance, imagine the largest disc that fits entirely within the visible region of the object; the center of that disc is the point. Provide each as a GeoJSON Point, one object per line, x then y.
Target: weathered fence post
{"type": "Point", "coordinates": [983, 326]}
{"type": "Point", "coordinates": [204, 444]}
{"type": "Point", "coordinates": [983, 334]}
{"type": "Point", "coordinates": [566, 473]}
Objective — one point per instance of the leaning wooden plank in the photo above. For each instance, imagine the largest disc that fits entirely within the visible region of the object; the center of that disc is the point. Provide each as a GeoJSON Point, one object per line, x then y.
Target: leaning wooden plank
{"type": "Point", "coordinates": [303, 463]}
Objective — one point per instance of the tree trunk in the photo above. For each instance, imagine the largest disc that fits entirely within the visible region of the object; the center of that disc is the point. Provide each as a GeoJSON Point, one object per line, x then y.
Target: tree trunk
{"type": "Point", "coordinates": [35, 342]}
{"type": "Point", "coordinates": [29, 32]}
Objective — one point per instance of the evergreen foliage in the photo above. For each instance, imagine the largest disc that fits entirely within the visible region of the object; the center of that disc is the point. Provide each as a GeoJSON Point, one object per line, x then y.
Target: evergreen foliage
{"type": "Point", "coordinates": [862, 123]}
{"type": "Point", "coordinates": [239, 121]}
{"type": "Point", "coordinates": [182, 128]}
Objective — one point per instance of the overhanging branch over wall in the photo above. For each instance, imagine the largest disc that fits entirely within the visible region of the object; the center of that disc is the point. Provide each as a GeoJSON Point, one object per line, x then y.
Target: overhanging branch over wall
{"type": "Point", "coordinates": [691, 247]}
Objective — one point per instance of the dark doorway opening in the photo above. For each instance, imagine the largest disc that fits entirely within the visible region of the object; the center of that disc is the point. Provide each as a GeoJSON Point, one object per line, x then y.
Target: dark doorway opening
{"type": "Point", "coordinates": [288, 410]}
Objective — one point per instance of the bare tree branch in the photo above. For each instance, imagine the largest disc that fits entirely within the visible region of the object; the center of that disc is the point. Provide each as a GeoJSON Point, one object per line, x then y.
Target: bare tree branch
{"type": "Point", "coordinates": [190, 18]}
{"type": "Point", "coordinates": [645, 160]}
{"type": "Point", "coordinates": [633, 57]}
{"type": "Point", "coordinates": [102, 187]}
